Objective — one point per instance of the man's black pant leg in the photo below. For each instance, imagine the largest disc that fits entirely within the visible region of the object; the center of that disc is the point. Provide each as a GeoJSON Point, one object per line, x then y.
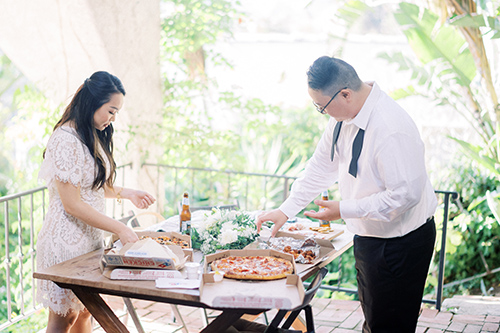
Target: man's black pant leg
{"type": "Point", "coordinates": [391, 276]}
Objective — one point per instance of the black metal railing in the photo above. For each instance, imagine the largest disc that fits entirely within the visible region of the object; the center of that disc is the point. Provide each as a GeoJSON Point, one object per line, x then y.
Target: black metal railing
{"type": "Point", "coordinates": [27, 209]}
{"type": "Point", "coordinates": [18, 290]}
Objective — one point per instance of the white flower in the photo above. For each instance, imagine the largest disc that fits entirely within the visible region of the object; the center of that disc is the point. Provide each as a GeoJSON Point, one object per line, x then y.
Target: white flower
{"type": "Point", "coordinates": [205, 235]}
{"type": "Point", "coordinates": [227, 226]}
{"type": "Point", "coordinates": [231, 215]}
{"type": "Point", "coordinates": [247, 232]}
{"type": "Point", "coordinates": [201, 226]}
{"type": "Point", "coordinates": [210, 222]}
{"type": "Point", "coordinates": [217, 214]}
{"type": "Point", "coordinates": [228, 236]}
{"type": "Point", "coordinates": [220, 229]}
{"type": "Point", "coordinates": [206, 247]}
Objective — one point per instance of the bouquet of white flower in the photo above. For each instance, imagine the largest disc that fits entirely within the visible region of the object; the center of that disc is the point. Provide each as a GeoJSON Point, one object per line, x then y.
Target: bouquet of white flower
{"type": "Point", "coordinates": [224, 230]}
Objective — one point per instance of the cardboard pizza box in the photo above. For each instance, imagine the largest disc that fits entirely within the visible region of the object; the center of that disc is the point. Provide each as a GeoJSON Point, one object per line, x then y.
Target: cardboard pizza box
{"type": "Point", "coordinates": [286, 293]}
{"type": "Point", "coordinates": [144, 259]}
{"type": "Point", "coordinates": [127, 273]}
{"type": "Point", "coordinates": [326, 249]}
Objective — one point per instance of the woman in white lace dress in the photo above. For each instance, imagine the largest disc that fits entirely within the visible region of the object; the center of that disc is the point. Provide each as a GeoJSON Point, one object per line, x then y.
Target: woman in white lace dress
{"type": "Point", "coordinates": [79, 170]}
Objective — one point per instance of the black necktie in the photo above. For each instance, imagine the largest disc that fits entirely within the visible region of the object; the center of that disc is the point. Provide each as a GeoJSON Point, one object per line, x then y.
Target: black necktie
{"type": "Point", "coordinates": [357, 145]}
{"type": "Point", "coordinates": [336, 132]}
{"type": "Point", "coordinates": [356, 151]}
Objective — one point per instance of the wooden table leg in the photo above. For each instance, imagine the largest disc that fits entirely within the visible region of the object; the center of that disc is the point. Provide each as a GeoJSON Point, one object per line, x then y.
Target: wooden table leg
{"type": "Point", "coordinates": [100, 310]}
{"type": "Point", "coordinates": [223, 321]}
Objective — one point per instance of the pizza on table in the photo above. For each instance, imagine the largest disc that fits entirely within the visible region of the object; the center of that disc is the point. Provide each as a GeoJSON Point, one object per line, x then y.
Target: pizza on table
{"type": "Point", "coordinates": [253, 267]}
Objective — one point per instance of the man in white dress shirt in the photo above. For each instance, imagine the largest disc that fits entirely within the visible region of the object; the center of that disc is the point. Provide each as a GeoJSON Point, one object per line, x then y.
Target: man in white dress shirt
{"type": "Point", "coordinates": [373, 149]}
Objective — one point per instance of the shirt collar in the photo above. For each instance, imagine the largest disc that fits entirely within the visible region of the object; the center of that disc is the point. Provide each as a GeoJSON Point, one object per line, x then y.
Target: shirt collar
{"type": "Point", "coordinates": [361, 119]}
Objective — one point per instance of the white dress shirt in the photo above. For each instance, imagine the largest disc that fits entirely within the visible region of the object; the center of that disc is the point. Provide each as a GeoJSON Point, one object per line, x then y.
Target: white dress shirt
{"type": "Point", "coordinates": [391, 195]}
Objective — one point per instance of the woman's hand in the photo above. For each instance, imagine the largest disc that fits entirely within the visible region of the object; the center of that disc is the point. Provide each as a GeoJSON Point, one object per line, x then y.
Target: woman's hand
{"type": "Point", "coordinates": [127, 235]}
{"type": "Point", "coordinates": [141, 199]}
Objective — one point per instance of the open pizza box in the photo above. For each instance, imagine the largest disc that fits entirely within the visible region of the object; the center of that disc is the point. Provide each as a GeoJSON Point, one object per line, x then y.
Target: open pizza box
{"type": "Point", "coordinates": [286, 293]}
{"type": "Point", "coordinates": [326, 249]}
{"type": "Point", "coordinates": [147, 254]}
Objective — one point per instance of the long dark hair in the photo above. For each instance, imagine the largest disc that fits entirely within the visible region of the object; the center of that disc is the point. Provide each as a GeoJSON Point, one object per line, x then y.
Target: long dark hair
{"type": "Point", "coordinates": [90, 96]}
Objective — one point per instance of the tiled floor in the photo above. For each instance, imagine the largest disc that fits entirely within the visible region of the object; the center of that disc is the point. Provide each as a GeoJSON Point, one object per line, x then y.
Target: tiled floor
{"type": "Point", "coordinates": [336, 316]}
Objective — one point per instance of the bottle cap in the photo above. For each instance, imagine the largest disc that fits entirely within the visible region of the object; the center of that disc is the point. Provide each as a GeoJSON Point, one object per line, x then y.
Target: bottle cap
{"type": "Point", "coordinates": [324, 193]}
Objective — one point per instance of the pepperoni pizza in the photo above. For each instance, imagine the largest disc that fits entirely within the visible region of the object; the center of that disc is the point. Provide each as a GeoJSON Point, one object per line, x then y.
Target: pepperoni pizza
{"type": "Point", "coordinates": [253, 267]}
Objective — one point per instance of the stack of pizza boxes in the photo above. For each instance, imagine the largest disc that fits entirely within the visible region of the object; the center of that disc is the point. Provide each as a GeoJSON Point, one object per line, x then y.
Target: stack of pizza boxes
{"type": "Point", "coordinates": [147, 255]}
{"type": "Point", "coordinates": [285, 293]}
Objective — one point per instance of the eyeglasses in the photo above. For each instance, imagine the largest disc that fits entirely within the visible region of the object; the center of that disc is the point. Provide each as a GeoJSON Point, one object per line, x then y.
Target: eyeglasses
{"type": "Point", "coordinates": [322, 109]}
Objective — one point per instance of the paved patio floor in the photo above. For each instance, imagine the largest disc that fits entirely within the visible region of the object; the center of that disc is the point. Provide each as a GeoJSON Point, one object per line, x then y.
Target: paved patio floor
{"type": "Point", "coordinates": [336, 316]}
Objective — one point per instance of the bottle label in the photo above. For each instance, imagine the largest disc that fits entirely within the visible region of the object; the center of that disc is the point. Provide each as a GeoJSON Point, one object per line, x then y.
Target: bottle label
{"type": "Point", "coordinates": [186, 227]}
{"type": "Point", "coordinates": [185, 201]}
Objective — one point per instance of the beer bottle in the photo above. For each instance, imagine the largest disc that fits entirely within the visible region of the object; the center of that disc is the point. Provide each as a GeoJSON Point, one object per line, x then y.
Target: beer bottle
{"type": "Point", "coordinates": [324, 197]}
{"type": "Point", "coordinates": [185, 216]}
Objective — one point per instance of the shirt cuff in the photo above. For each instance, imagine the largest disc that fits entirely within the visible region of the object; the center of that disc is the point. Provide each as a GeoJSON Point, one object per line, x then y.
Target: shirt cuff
{"type": "Point", "coordinates": [347, 209]}
{"type": "Point", "coordinates": [289, 209]}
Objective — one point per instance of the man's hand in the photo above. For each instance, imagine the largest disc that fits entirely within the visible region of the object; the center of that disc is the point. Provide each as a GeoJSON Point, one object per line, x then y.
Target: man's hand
{"type": "Point", "coordinates": [330, 213]}
{"type": "Point", "coordinates": [276, 216]}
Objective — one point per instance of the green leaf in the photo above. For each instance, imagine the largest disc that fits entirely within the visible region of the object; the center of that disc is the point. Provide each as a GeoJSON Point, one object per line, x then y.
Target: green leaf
{"type": "Point", "coordinates": [468, 20]}
{"type": "Point", "coordinates": [474, 152]}
{"type": "Point", "coordinates": [494, 205]}
{"type": "Point", "coordinates": [351, 11]}
{"type": "Point", "coordinates": [433, 42]}
{"type": "Point", "coordinates": [403, 92]}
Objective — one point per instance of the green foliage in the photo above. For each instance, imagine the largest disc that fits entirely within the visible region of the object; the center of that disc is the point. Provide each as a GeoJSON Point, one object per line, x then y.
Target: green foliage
{"type": "Point", "coordinates": [342, 272]}
{"type": "Point", "coordinates": [20, 258]}
{"type": "Point", "coordinates": [197, 127]}
{"type": "Point", "coordinates": [446, 72]}
{"type": "Point", "coordinates": [432, 42]}
{"type": "Point", "coordinates": [191, 25]}
{"type": "Point", "coordinates": [9, 76]}
{"type": "Point", "coordinates": [477, 21]}
{"type": "Point", "coordinates": [33, 324]}
{"type": "Point", "coordinates": [473, 241]}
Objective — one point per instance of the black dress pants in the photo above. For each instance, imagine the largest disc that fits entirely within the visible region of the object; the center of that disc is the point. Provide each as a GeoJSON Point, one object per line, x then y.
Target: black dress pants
{"type": "Point", "coordinates": [391, 274]}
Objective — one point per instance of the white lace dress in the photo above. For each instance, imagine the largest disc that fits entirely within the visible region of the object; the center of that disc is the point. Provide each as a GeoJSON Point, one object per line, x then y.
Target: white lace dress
{"type": "Point", "coordinates": [63, 236]}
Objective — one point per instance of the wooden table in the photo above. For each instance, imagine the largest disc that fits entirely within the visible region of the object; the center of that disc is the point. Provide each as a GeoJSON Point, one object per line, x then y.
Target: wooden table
{"type": "Point", "coordinates": [83, 276]}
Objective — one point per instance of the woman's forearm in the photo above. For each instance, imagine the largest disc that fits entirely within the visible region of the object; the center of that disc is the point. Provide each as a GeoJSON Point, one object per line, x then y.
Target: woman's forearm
{"type": "Point", "coordinates": [73, 205]}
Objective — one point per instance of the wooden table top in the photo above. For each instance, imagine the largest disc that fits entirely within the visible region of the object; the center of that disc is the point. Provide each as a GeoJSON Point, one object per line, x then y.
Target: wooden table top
{"type": "Point", "coordinates": [84, 271]}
